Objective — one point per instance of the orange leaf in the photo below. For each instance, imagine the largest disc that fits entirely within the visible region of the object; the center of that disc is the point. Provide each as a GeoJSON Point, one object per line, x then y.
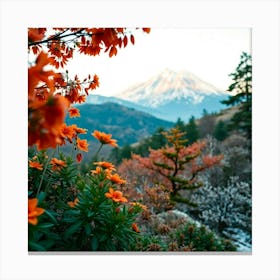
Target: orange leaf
{"type": "Point", "coordinates": [147, 30]}
{"type": "Point", "coordinates": [113, 51]}
{"type": "Point", "coordinates": [125, 41]}
{"type": "Point", "coordinates": [120, 42]}
{"type": "Point", "coordinates": [132, 39]}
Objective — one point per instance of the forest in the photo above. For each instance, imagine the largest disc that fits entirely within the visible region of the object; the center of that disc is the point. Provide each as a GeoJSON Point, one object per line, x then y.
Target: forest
{"type": "Point", "coordinates": [185, 188]}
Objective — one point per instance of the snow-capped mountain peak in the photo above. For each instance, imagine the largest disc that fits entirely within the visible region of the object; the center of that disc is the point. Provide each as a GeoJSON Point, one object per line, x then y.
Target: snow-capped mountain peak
{"type": "Point", "coordinates": [168, 86]}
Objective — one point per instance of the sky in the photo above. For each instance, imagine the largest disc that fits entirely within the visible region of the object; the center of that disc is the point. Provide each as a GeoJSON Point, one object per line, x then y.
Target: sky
{"type": "Point", "coordinates": [211, 54]}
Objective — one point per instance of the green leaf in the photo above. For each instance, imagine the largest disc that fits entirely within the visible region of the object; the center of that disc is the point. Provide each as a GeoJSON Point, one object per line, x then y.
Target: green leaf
{"type": "Point", "coordinates": [94, 243]}
{"type": "Point", "coordinates": [44, 225]}
{"type": "Point", "coordinates": [72, 229]}
{"type": "Point", "coordinates": [50, 215]}
{"type": "Point", "coordinates": [41, 197]}
{"type": "Point", "coordinates": [88, 228]}
{"type": "Point", "coordinates": [32, 246]}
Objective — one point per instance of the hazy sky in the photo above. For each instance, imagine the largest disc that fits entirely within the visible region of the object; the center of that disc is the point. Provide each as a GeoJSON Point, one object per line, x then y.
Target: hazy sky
{"type": "Point", "coordinates": [211, 54]}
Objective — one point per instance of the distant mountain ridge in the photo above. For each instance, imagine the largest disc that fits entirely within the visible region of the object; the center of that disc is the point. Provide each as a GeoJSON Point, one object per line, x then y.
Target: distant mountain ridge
{"type": "Point", "coordinates": [127, 125]}
{"type": "Point", "coordinates": [100, 99]}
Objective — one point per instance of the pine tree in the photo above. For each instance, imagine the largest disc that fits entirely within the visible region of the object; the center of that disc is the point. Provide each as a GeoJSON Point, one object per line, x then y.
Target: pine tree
{"type": "Point", "coordinates": [157, 140]}
{"type": "Point", "coordinates": [180, 124]}
{"type": "Point", "coordinates": [242, 87]}
{"type": "Point", "coordinates": [192, 131]}
{"type": "Point", "coordinates": [220, 132]}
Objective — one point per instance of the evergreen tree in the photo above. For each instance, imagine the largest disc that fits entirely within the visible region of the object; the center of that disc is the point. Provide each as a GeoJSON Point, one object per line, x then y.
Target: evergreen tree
{"type": "Point", "coordinates": [192, 130]}
{"type": "Point", "coordinates": [180, 125]}
{"type": "Point", "coordinates": [242, 88]}
{"type": "Point", "coordinates": [157, 140]}
{"type": "Point", "coordinates": [220, 132]}
{"type": "Point", "coordinates": [126, 152]}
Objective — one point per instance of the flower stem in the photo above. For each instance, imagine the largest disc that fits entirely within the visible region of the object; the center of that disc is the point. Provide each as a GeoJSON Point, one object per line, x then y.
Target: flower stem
{"type": "Point", "coordinates": [44, 172]}
{"type": "Point", "coordinates": [99, 149]}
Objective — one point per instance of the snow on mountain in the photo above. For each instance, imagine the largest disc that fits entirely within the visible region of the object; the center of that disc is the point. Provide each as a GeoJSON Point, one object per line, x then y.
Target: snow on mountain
{"type": "Point", "coordinates": [169, 86]}
{"type": "Point", "coordinates": [169, 95]}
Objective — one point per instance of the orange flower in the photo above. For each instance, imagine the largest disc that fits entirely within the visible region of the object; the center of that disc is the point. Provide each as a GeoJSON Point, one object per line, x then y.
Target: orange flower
{"type": "Point", "coordinates": [116, 196]}
{"type": "Point", "coordinates": [57, 164]}
{"type": "Point", "coordinates": [105, 165]}
{"type": "Point", "coordinates": [67, 132]}
{"type": "Point", "coordinates": [45, 121]}
{"type": "Point", "coordinates": [34, 211]}
{"type": "Point", "coordinates": [74, 112]}
{"type": "Point", "coordinates": [116, 179]}
{"type": "Point", "coordinates": [36, 165]}
{"type": "Point", "coordinates": [82, 145]}
{"type": "Point", "coordinates": [97, 171]}
{"type": "Point", "coordinates": [79, 130]}
{"type": "Point", "coordinates": [72, 204]}
{"type": "Point", "coordinates": [104, 138]}
{"type": "Point", "coordinates": [135, 227]}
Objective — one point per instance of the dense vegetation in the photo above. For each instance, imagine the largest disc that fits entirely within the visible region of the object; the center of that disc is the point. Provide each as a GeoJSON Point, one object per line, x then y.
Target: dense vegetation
{"type": "Point", "coordinates": [180, 190]}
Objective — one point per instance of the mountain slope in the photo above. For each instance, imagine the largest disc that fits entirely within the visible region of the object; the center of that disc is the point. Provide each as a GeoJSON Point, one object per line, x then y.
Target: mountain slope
{"type": "Point", "coordinates": [127, 125]}
{"type": "Point", "coordinates": [99, 99]}
{"type": "Point", "coordinates": [175, 94]}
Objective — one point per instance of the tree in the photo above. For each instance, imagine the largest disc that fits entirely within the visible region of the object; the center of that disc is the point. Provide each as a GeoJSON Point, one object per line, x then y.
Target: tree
{"type": "Point", "coordinates": [225, 206]}
{"type": "Point", "coordinates": [242, 89]}
{"type": "Point", "coordinates": [220, 131]}
{"type": "Point", "coordinates": [192, 131]}
{"type": "Point", "coordinates": [180, 124]}
{"type": "Point", "coordinates": [52, 92]}
{"type": "Point", "coordinates": [176, 165]}
{"type": "Point", "coordinates": [157, 140]}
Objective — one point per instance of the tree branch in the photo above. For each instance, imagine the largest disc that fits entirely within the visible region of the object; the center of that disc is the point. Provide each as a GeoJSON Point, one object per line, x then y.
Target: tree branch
{"type": "Point", "coordinates": [56, 37]}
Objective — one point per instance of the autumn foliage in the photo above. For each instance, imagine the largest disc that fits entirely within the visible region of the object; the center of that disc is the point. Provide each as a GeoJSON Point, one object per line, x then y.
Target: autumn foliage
{"type": "Point", "coordinates": [51, 91]}
{"type": "Point", "coordinates": [54, 181]}
{"type": "Point", "coordinates": [172, 169]}
{"type": "Point", "coordinates": [106, 207]}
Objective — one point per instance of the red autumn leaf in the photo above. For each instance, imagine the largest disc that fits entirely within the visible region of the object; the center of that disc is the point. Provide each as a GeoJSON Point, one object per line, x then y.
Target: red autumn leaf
{"type": "Point", "coordinates": [83, 40]}
{"type": "Point", "coordinates": [79, 157]}
{"type": "Point", "coordinates": [132, 39]}
{"type": "Point", "coordinates": [125, 41]}
{"type": "Point", "coordinates": [113, 51]}
{"type": "Point", "coordinates": [147, 30]}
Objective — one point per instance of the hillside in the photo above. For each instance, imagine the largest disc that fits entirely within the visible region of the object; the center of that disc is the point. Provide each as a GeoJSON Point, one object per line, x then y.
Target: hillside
{"type": "Point", "coordinates": [127, 125]}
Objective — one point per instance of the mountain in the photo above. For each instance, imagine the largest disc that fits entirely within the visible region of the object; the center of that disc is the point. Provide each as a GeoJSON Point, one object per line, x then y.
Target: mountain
{"type": "Point", "coordinates": [99, 99]}
{"type": "Point", "coordinates": [127, 125]}
{"type": "Point", "coordinates": [175, 94]}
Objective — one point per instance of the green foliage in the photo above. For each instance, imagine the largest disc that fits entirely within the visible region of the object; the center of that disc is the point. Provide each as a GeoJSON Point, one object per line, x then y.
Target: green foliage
{"type": "Point", "coordinates": [242, 90]}
{"type": "Point", "coordinates": [220, 132]}
{"type": "Point", "coordinates": [94, 222]}
{"type": "Point", "coordinates": [167, 232]}
{"type": "Point", "coordinates": [199, 238]}
{"type": "Point", "coordinates": [192, 131]}
{"type": "Point", "coordinates": [98, 223]}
